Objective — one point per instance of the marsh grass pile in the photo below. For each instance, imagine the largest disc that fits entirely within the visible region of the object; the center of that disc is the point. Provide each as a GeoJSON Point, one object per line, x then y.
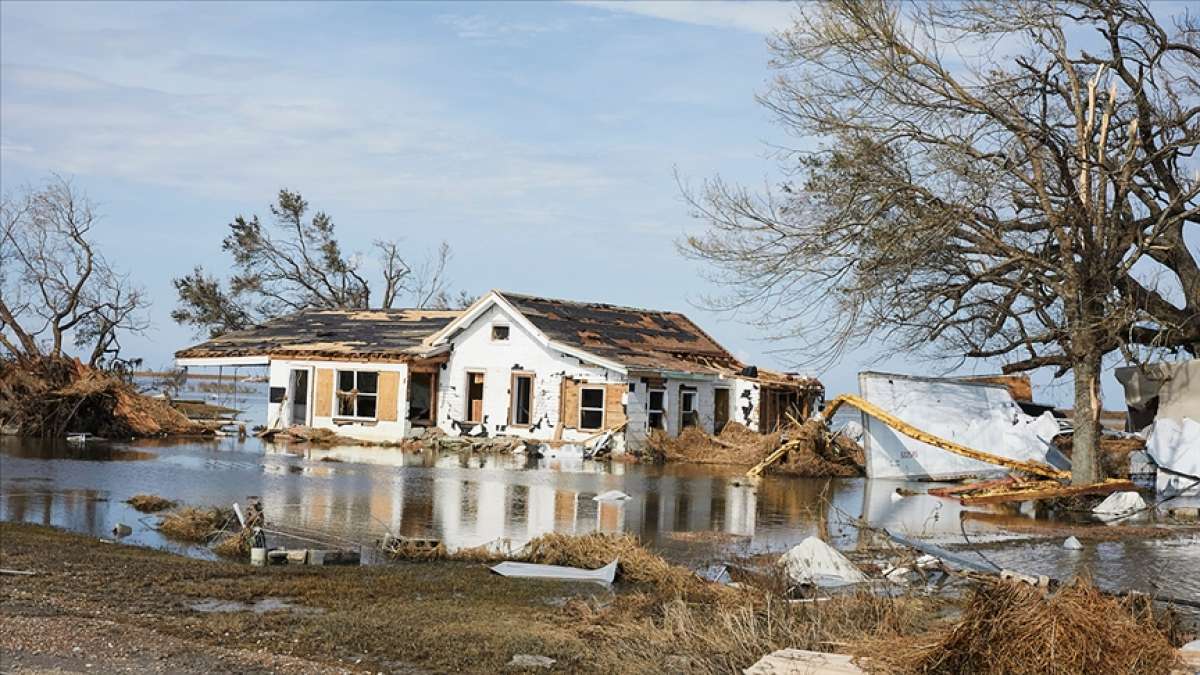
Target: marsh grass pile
{"type": "Point", "coordinates": [640, 635]}
{"type": "Point", "coordinates": [197, 525]}
{"type": "Point", "coordinates": [1016, 629]}
{"type": "Point", "coordinates": [813, 452]}
{"type": "Point", "coordinates": [150, 503]}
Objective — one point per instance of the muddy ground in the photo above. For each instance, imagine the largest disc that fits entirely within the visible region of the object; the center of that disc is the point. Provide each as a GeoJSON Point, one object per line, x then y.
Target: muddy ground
{"type": "Point", "coordinates": [96, 607]}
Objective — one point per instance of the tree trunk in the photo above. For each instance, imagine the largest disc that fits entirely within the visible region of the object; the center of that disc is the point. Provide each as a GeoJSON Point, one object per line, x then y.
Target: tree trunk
{"type": "Point", "coordinates": [1085, 464]}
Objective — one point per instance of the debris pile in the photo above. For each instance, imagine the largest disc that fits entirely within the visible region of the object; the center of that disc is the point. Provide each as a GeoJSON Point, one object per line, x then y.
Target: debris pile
{"type": "Point", "coordinates": [150, 503]}
{"type": "Point", "coordinates": [53, 397]}
{"type": "Point", "coordinates": [811, 450]}
{"type": "Point", "coordinates": [1013, 628]}
{"type": "Point", "coordinates": [197, 525]}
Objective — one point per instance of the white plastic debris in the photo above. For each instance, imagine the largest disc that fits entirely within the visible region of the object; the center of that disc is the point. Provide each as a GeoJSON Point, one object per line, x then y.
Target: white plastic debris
{"type": "Point", "coordinates": [813, 562]}
{"type": "Point", "coordinates": [1174, 444]}
{"type": "Point", "coordinates": [1120, 504]}
{"type": "Point", "coordinates": [1072, 544]}
{"type": "Point", "coordinates": [526, 661]}
{"type": "Point", "coordinates": [927, 561]}
{"type": "Point", "coordinates": [897, 575]}
{"type": "Point", "coordinates": [896, 496]}
{"type": "Point", "coordinates": [604, 575]}
{"type": "Point", "coordinates": [1193, 646]}
{"type": "Point", "coordinates": [611, 496]}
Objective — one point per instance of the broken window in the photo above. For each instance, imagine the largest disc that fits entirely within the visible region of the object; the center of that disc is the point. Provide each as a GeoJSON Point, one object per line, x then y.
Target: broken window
{"type": "Point", "coordinates": [656, 405]}
{"type": "Point", "coordinates": [522, 399]}
{"type": "Point", "coordinates": [687, 408]}
{"type": "Point", "coordinates": [499, 332]}
{"type": "Point", "coordinates": [357, 393]}
{"type": "Point", "coordinates": [421, 387]}
{"type": "Point", "coordinates": [591, 408]}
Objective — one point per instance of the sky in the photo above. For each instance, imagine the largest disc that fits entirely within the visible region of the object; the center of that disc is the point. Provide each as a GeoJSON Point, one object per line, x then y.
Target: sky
{"type": "Point", "coordinates": [541, 140]}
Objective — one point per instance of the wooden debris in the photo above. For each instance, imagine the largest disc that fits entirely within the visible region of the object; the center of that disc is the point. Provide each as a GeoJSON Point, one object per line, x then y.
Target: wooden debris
{"type": "Point", "coordinates": [1048, 489]}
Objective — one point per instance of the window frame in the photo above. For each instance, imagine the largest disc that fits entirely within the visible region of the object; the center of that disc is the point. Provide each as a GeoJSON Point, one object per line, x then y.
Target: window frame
{"type": "Point", "coordinates": [684, 412]}
{"type": "Point", "coordinates": [512, 398]}
{"type": "Point", "coordinates": [337, 394]}
{"type": "Point", "coordinates": [433, 380]}
{"type": "Point", "coordinates": [507, 332]}
{"type": "Point", "coordinates": [661, 412]}
{"type": "Point", "coordinates": [602, 409]}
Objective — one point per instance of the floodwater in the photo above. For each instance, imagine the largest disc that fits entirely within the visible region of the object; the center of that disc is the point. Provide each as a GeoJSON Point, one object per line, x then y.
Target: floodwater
{"type": "Point", "coordinates": [696, 514]}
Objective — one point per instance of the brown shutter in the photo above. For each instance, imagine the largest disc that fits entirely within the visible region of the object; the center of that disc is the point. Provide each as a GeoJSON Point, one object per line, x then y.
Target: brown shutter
{"type": "Point", "coordinates": [324, 407]}
{"type": "Point", "coordinates": [569, 412]}
{"type": "Point", "coordinates": [389, 388]}
{"type": "Point", "coordinates": [614, 411]}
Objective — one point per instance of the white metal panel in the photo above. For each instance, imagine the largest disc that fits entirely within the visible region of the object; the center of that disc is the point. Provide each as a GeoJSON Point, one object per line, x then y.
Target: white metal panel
{"type": "Point", "coordinates": [980, 416]}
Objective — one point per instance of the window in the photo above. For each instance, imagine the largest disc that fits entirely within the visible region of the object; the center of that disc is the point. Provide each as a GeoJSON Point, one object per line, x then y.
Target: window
{"type": "Point", "coordinates": [687, 408]}
{"type": "Point", "coordinates": [499, 332]}
{"type": "Point", "coordinates": [357, 392]}
{"type": "Point", "coordinates": [421, 387]}
{"type": "Point", "coordinates": [522, 400]}
{"type": "Point", "coordinates": [656, 404]}
{"type": "Point", "coordinates": [591, 408]}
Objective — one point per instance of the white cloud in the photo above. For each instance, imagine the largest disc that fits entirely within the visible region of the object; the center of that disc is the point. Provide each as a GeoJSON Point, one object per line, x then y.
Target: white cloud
{"type": "Point", "coordinates": [375, 150]}
{"type": "Point", "coordinates": [755, 16]}
{"type": "Point", "coordinates": [485, 27]}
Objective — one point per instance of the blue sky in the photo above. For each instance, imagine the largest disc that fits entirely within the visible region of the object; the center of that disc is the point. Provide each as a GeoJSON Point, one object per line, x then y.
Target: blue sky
{"type": "Point", "coordinates": [539, 139]}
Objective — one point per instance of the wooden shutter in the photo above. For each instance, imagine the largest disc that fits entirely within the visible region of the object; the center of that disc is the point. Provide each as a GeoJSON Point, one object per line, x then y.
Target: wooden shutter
{"type": "Point", "coordinates": [389, 388]}
{"type": "Point", "coordinates": [614, 410]}
{"type": "Point", "coordinates": [569, 409]}
{"type": "Point", "coordinates": [324, 407]}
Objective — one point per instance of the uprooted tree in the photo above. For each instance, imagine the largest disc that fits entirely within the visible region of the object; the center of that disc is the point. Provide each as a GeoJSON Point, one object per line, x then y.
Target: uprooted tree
{"type": "Point", "coordinates": [1000, 179]}
{"type": "Point", "coordinates": [56, 291]}
{"type": "Point", "coordinates": [296, 262]}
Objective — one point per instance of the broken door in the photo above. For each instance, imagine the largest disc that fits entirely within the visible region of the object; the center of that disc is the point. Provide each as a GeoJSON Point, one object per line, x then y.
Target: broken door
{"type": "Point", "coordinates": [298, 395]}
{"type": "Point", "coordinates": [720, 409]}
{"type": "Point", "coordinates": [474, 397]}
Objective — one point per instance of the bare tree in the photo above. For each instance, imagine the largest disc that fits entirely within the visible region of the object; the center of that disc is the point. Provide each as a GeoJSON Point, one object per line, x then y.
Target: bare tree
{"type": "Point", "coordinates": [425, 286]}
{"type": "Point", "coordinates": [296, 263]}
{"type": "Point", "coordinates": [1029, 206]}
{"type": "Point", "coordinates": [55, 284]}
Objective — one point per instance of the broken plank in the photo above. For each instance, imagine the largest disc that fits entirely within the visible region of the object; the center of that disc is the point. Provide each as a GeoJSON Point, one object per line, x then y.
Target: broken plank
{"type": "Point", "coordinates": [952, 490]}
{"type": "Point", "coordinates": [1045, 490]}
{"type": "Point", "coordinates": [17, 573]}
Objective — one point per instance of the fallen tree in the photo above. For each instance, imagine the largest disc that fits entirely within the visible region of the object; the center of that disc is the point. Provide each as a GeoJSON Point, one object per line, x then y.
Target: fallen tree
{"type": "Point", "coordinates": [54, 396]}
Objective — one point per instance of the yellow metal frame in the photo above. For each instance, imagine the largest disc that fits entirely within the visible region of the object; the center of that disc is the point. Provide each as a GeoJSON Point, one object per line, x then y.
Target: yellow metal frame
{"type": "Point", "coordinates": [1035, 468]}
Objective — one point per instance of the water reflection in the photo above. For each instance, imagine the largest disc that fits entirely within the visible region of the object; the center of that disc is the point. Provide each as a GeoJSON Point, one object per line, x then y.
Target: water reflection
{"type": "Point", "coordinates": [700, 514]}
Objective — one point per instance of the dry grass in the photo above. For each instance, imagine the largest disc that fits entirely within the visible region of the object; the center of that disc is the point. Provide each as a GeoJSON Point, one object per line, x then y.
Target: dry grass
{"type": "Point", "coordinates": [1014, 629]}
{"type": "Point", "coordinates": [150, 503]}
{"type": "Point", "coordinates": [638, 636]}
{"type": "Point", "coordinates": [194, 524]}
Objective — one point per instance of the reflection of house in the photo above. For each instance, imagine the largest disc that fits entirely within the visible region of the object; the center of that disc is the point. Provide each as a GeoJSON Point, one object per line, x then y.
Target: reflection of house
{"type": "Point", "coordinates": [508, 365]}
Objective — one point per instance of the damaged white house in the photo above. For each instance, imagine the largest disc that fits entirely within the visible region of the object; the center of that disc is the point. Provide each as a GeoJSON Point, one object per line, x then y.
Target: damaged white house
{"type": "Point", "coordinates": [508, 365]}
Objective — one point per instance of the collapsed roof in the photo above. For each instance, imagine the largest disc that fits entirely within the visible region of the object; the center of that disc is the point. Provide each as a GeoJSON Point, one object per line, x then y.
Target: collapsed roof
{"type": "Point", "coordinates": [377, 334]}
{"type": "Point", "coordinates": [638, 339]}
